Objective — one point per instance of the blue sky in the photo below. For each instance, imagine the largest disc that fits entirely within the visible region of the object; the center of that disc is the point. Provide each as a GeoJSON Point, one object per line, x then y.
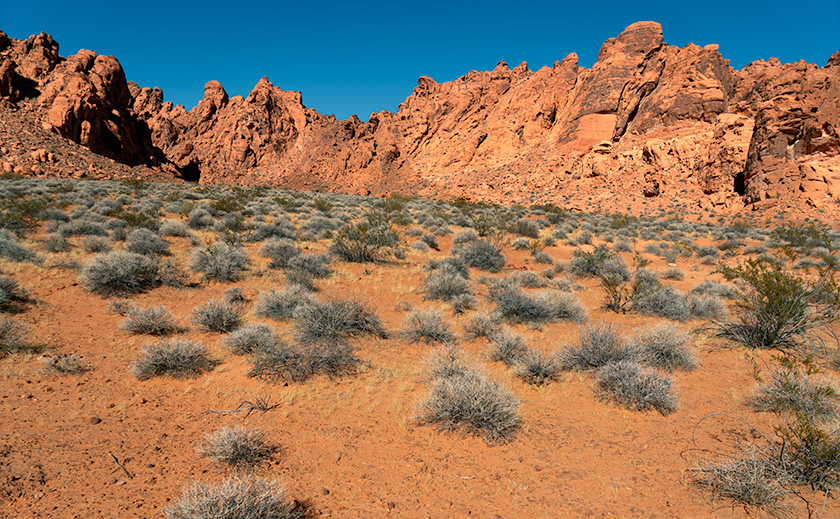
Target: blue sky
{"type": "Point", "coordinates": [363, 57]}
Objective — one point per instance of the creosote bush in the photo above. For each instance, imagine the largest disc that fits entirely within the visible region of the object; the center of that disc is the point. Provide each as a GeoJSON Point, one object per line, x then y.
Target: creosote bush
{"type": "Point", "coordinates": [778, 308]}
{"type": "Point", "coordinates": [178, 358]}
{"type": "Point", "coordinates": [365, 242]}
{"type": "Point", "coordinates": [237, 447]}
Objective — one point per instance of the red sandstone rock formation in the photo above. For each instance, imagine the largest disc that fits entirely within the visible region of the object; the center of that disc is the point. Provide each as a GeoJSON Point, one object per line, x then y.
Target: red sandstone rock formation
{"type": "Point", "coordinates": [648, 120]}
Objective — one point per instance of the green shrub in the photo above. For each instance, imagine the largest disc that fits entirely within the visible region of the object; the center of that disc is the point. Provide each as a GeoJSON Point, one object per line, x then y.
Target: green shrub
{"type": "Point", "coordinates": [365, 242]}
{"type": "Point", "coordinates": [779, 309]}
{"type": "Point", "coordinates": [590, 264]}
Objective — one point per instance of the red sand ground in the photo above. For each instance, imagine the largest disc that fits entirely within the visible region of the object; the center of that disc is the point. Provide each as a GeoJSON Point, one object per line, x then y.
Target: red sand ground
{"type": "Point", "coordinates": [351, 445]}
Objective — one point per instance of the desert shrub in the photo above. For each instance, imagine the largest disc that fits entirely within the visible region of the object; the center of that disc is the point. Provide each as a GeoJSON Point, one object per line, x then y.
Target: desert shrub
{"type": "Point", "coordinates": [280, 252]}
{"type": "Point", "coordinates": [238, 497]}
{"type": "Point", "coordinates": [521, 244]}
{"type": "Point", "coordinates": [463, 302]}
{"type": "Point", "coordinates": [708, 251]}
{"type": "Point", "coordinates": [449, 360]}
{"type": "Point", "coordinates": [622, 245]}
{"type": "Point", "coordinates": [428, 325]}
{"type": "Point", "coordinates": [598, 346]}
{"type": "Point", "coordinates": [121, 273]}
{"type": "Point", "coordinates": [589, 264]}
{"type": "Point", "coordinates": [316, 266]}
{"type": "Point", "coordinates": [751, 478]}
{"type": "Point", "coordinates": [665, 347]}
{"type": "Point", "coordinates": [779, 309]}
{"type": "Point", "coordinates": [336, 319]}
{"type": "Point", "coordinates": [543, 257]}
{"type": "Point", "coordinates": [547, 305]}
{"type": "Point", "coordinates": [673, 273]}
{"type": "Point", "coordinates": [54, 243]}
{"type": "Point", "coordinates": [95, 244]}
{"type": "Point", "coordinates": [795, 387]}
{"type": "Point", "coordinates": [634, 386]}
{"type": "Point", "coordinates": [12, 250]}
{"type": "Point", "coordinates": [144, 241]}
{"type": "Point", "coordinates": [219, 261]}
{"type": "Point", "coordinates": [237, 447]}
{"type": "Point", "coordinates": [154, 320]}
{"type": "Point", "coordinates": [666, 302]}
{"type": "Point", "coordinates": [430, 240]}
{"type": "Point", "coordinates": [200, 218]}
{"type": "Point", "coordinates": [473, 402]}
{"type": "Point", "coordinates": [179, 358]}
{"type": "Point", "coordinates": [217, 315]}
{"type": "Point", "coordinates": [538, 368]}
{"type": "Point", "coordinates": [365, 242]}
{"type": "Point", "coordinates": [174, 228]}
{"type": "Point", "coordinates": [64, 363]}
{"type": "Point", "coordinates": [481, 325]}
{"type": "Point", "coordinates": [707, 307]}
{"type": "Point", "coordinates": [446, 283]}
{"type": "Point", "coordinates": [482, 255]}
{"type": "Point", "coordinates": [715, 288]}
{"type": "Point", "coordinates": [525, 227]}
{"type": "Point", "coordinates": [465, 236]}
{"type": "Point", "coordinates": [251, 338]}
{"type": "Point", "coordinates": [281, 304]}
{"type": "Point", "coordinates": [14, 336]}
{"type": "Point", "coordinates": [529, 279]}
{"type": "Point", "coordinates": [453, 263]}
{"type": "Point", "coordinates": [332, 357]}
{"type": "Point", "coordinates": [507, 346]}
{"type": "Point", "coordinates": [11, 293]}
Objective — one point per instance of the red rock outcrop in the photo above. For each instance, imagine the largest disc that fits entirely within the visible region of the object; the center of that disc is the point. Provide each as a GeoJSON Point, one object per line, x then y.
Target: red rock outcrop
{"type": "Point", "coordinates": [649, 120]}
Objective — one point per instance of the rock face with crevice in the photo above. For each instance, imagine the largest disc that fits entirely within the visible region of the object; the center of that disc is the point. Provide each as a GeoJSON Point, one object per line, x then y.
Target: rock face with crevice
{"type": "Point", "coordinates": [648, 120]}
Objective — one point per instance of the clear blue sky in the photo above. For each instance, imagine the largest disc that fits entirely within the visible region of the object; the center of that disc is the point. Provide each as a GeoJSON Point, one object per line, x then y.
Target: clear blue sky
{"type": "Point", "coordinates": [362, 57]}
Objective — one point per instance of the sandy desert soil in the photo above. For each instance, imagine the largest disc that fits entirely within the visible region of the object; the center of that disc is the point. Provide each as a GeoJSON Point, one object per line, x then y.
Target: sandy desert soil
{"type": "Point", "coordinates": [351, 446]}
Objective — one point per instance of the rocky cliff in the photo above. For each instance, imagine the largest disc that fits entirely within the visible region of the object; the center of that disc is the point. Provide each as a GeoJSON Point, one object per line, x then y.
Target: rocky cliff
{"type": "Point", "coordinates": [649, 122]}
